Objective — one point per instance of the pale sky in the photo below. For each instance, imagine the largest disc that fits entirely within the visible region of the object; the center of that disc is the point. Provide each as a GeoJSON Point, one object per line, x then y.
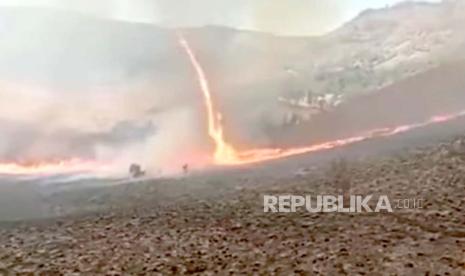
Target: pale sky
{"type": "Point", "coordinates": [285, 17]}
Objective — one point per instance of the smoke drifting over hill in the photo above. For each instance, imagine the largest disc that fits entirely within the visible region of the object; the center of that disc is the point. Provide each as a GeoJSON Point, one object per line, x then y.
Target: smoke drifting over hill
{"type": "Point", "coordinates": [114, 124]}
{"type": "Point", "coordinates": [80, 86]}
{"type": "Point", "coordinates": [291, 17]}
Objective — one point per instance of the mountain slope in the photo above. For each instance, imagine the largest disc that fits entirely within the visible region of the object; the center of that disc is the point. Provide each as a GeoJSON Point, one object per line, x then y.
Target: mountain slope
{"type": "Point", "coordinates": [438, 91]}
{"type": "Point", "coordinates": [248, 71]}
{"type": "Point", "coordinates": [376, 48]}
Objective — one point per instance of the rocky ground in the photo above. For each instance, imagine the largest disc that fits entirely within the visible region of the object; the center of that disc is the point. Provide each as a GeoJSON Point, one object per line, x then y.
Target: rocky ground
{"type": "Point", "coordinates": [227, 232]}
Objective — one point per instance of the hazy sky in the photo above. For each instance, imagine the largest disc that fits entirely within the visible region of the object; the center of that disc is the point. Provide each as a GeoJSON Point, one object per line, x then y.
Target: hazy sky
{"type": "Point", "coordinates": [289, 17]}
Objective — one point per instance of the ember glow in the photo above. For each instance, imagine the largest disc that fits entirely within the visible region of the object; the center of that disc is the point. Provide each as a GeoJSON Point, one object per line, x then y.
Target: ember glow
{"type": "Point", "coordinates": [226, 154]}
{"type": "Point", "coordinates": [71, 166]}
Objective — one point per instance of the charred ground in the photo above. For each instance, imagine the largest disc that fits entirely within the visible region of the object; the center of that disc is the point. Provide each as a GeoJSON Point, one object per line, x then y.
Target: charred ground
{"type": "Point", "coordinates": [215, 222]}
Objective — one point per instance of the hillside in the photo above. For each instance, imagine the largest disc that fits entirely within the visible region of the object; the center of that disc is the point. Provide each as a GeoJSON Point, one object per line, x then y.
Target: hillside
{"type": "Point", "coordinates": [380, 47]}
{"type": "Point", "coordinates": [438, 91]}
{"type": "Point", "coordinates": [377, 47]}
{"type": "Point", "coordinates": [248, 71]}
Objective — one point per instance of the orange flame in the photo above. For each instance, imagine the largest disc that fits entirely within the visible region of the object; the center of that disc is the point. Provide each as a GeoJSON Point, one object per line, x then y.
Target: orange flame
{"type": "Point", "coordinates": [226, 154]}
{"type": "Point", "coordinates": [52, 167]}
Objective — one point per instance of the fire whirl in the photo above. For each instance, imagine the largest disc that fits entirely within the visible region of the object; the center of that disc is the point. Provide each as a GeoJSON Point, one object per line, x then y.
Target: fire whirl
{"type": "Point", "coordinates": [226, 154]}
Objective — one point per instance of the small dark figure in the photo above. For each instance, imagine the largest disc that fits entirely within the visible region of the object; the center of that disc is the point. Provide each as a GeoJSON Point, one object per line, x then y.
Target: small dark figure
{"type": "Point", "coordinates": [185, 168]}
{"type": "Point", "coordinates": [136, 171]}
